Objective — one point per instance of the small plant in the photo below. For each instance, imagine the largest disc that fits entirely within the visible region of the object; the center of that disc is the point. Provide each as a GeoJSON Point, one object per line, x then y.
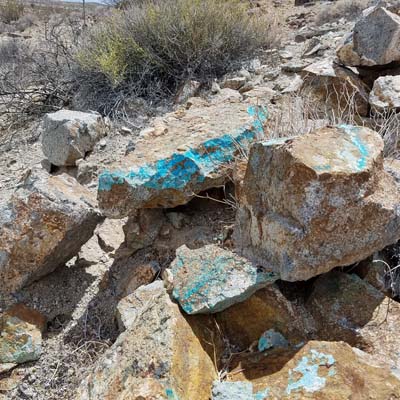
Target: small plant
{"type": "Point", "coordinates": [151, 47]}
{"type": "Point", "coordinates": [10, 11]}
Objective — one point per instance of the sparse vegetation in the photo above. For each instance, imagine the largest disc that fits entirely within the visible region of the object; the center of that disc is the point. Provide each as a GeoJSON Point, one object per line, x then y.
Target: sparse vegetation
{"type": "Point", "coordinates": [348, 9]}
{"type": "Point", "coordinates": [11, 11]}
{"type": "Point", "coordinates": [152, 47]}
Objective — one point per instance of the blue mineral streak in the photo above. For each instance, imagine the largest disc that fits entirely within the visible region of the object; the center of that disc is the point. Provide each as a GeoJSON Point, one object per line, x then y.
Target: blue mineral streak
{"type": "Point", "coordinates": [193, 166]}
{"type": "Point", "coordinates": [352, 131]}
{"type": "Point", "coordinates": [308, 368]}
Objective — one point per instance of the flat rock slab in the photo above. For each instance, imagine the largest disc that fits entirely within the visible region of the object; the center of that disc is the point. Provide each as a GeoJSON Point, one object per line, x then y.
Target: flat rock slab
{"type": "Point", "coordinates": [319, 370]}
{"type": "Point", "coordinates": [211, 279]}
{"type": "Point", "coordinates": [184, 153]}
{"type": "Point", "coordinates": [318, 201]}
{"type": "Point", "coordinates": [43, 226]}
{"type": "Point", "coordinates": [161, 355]}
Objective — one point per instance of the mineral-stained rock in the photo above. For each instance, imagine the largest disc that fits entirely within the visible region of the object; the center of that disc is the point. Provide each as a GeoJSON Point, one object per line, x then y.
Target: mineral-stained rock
{"type": "Point", "coordinates": [272, 339]}
{"type": "Point", "coordinates": [232, 390]}
{"type": "Point", "coordinates": [162, 354]}
{"type": "Point", "coordinates": [374, 41]}
{"type": "Point", "coordinates": [43, 225]}
{"type": "Point", "coordinates": [336, 87]}
{"type": "Point", "coordinates": [318, 201]}
{"type": "Point", "coordinates": [20, 335]}
{"type": "Point", "coordinates": [348, 308]}
{"type": "Point", "coordinates": [319, 370]}
{"type": "Point", "coordinates": [211, 279]}
{"type": "Point", "coordinates": [385, 95]}
{"type": "Point", "coordinates": [267, 309]}
{"type": "Point", "coordinates": [186, 152]}
{"type": "Point", "coordinates": [68, 135]}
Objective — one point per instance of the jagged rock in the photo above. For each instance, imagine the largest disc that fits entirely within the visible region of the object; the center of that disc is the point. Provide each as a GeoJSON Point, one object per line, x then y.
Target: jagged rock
{"type": "Point", "coordinates": [375, 271]}
{"type": "Point", "coordinates": [211, 279]}
{"type": "Point", "coordinates": [272, 339]}
{"type": "Point", "coordinates": [162, 354]}
{"type": "Point", "coordinates": [244, 323]}
{"type": "Point", "coordinates": [374, 40]}
{"type": "Point", "coordinates": [318, 201]}
{"type": "Point", "coordinates": [110, 234]}
{"type": "Point", "coordinates": [335, 86]}
{"type": "Point", "coordinates": [43, 226]}
{"type": "Point", "coordinates": [385, 95]}
{"type": "Point", "coordinates": [190, 151]}
{"type": "Point", "coordinates": [319, 370]}
{"type": "Point", "coordinates": [234, 83]}
{"type": "Point", "coordinates": [232, 390]}
{"type": "Point", "coordinates": [21, 335]}
{"type": "Point", "coordinates": [68, 135]}
{"type": "Point", "coordinates": [347, 308]}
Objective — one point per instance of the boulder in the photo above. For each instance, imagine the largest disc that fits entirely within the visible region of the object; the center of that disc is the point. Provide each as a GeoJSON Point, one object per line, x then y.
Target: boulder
{"type": "Point", "coordinates": [43, 226]}
{"type": "Point", "coordinates": [211, 279]}
{"type": "Point", "coordinates": [347, 308]}
{"type": "Point", "coordinates": [374, 41]}
{"type": "Point", "coordinates": [69, 135]}
{"type": "Point", "coordinates": [161, 355]}
{"type": "Point", "coordinates": [21, 335]}
{"type": "Point", "coordinates": [319, 370]}
{"type": "Point", "coordinates": [317, 201]}
{"type": "Point", "coordinates": [336, 87]}
{"type": "Point", "coordinates": [184, 153]}
{"type": "Point", "coordinates": [385, 95]}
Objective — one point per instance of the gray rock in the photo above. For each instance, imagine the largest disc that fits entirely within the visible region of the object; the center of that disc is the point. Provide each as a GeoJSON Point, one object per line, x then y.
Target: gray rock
{"type": "Point", "coordinates": [232, 391]}
{"type": "Point", "coordinates": [211, 279]}
{"type": "Point", "coordinates": [385, 95]}
{"type": "Point", "coordinates": [68, 135]}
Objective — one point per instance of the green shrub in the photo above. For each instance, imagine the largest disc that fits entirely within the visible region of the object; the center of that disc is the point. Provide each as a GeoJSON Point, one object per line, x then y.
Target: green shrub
{"type": "Point", "coordinates": [162, 43]}
{"type": "Point", "coordinates": [11, 11]}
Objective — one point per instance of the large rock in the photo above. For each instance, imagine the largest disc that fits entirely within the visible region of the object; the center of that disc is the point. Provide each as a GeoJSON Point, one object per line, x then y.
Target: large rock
{"type": "Point", "coordinates": [374, 41]}
{"type": "Point", "coordinates": [69, 135]}
{"type": "Point", "coordinates": [385, 95]}
{"type": "Point", "coordinates": [43, 225]}
{"type": "Point", "coordinates": [347, 308]}
{"type": "Point", "coordinates": [319, 370]}
{"type": "Point", "coordinates": [161, 355]}
{"type": "Point", "coordinates": [186, 152]}
{"type": "Point", "coordinates": [21, 335]}
{"type": "Point", "coordinates": [318, 201]}
{"type": "Point", "coordinates": [336, 88]}
{"type": "Point", "coordinates": [211, 279]}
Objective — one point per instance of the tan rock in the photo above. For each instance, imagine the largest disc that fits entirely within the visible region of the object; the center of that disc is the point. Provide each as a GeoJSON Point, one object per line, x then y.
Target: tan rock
{"type": "Point", "coordinates": [385, 95]}
{"type": "Point", "coordinates": [162, 354]}
{"type": "Point", "coordinates": [318, 201]}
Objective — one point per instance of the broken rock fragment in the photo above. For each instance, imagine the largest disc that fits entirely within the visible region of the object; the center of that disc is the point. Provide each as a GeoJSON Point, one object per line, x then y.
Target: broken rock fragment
{"type": "Point", "coordinates": [184, 153]}
{"type": "Point", "coordinates": [211, 279]}
{"type": "Point", "coordinates": [385, 95]}
{"type": "Point", "coordinates": [318, 201]}
{"type": "Point", "coordinates": [68, 135]}
{"type": "Point", "coordinates": [43, 226]}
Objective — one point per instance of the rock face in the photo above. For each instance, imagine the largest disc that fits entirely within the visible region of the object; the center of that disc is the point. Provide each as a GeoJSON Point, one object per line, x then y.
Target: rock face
{"type": "Point", "coordinates": [68, 135]}
{"type": "Point", "coordinates": [211, 279]}
{"type": "Point", "coordinates": [318, 201]}
{"type": "Point", "coordinates": [160, 356]}
{"type": "Point", "coordinates": [348, 308]}
{"type": "Point", "coordinates": [44, 225]}
{"type": "Point", "coordinates": [336, 87]}
{"type": "Point", "coordinates": [232, 390]}
{"type": "Point", "coordinates": [374, 41]}
{"type": "Point", "coordinates": [184, 153]}
{"type": "Point", "coordinates": [21, 335]}
{"type": "Point", "coordinates": [319, 370]}
{"type": "Point", "coordinates": [385, 94]}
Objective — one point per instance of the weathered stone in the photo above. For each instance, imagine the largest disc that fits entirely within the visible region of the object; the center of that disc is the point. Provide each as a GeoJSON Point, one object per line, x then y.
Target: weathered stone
{"type": "Point", "coordinates": [347, 308]}
{"type": "Point", "coordinates": [211, 279]}
{"type": "Point", "coordinates": [193, 152]}
{"type": "Point", "coordinates": [319, 370]}
{"type": "Point", "coordinates": [20, 335]}
{"type": "Point", "coordinates": [336, 87]}
{"type": "Point", "coordinates": [272, 339]}
{"type": "Point", "coordinates": [68, 135]}
{"type": "Point", "coordinates": [374, 40]}
{"type": "Point", "coordinates": [318, 201]}
{"type": "Point", "coordinates": [232, 390]}
{"type": "Point", "coordinates": [44, 225]}
{"type": "Point", "coordinates": [162, 354]}
{"type": "Point", "coordinates": [385, 95]}
{"type": "Point", "coordinates": [244, 323]}
{"type": "Point", "coordinates": [110, 234]}
{"type": "Point", "coordinates": [186, 91]}
{"type": "Point", "coordinates": [375, 271]}
{"type": "Point", "coordinates": [234, 83]}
